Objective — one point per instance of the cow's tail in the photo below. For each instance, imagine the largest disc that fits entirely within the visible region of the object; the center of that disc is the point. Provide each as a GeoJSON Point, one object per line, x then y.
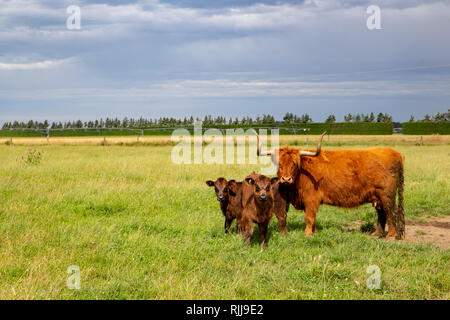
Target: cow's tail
{"type": "Point", "coordinates": [400, 214]}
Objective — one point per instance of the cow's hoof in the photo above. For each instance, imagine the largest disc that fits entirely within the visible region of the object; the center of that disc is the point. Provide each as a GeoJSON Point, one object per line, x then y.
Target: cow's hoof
{"type": "Point", "coordinates": [391, 235]}
{"type": "Point", "coordinates": [377, 234]}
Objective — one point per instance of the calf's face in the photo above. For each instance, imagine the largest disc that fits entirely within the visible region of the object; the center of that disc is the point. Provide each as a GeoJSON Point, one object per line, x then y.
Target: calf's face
{"type": "Point", "coordinates": [221, 187]}
{"type": "Point", "coordinates": [262, 187]}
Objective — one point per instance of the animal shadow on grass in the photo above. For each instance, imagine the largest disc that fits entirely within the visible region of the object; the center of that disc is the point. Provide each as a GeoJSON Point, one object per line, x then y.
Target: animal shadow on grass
{"type": "Point", "coordinates": [294, 223]}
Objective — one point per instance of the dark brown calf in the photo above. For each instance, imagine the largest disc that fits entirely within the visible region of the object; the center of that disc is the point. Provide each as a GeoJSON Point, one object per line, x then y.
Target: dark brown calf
{"type": "Point", "coordinates": [228, 193]}
{"type": "Point", "coordinates": [257, 205]}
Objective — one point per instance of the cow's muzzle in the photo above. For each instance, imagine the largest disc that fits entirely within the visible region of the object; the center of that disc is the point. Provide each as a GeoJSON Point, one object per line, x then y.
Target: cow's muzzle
{"type": "Point", "coordinates": [286, 180]}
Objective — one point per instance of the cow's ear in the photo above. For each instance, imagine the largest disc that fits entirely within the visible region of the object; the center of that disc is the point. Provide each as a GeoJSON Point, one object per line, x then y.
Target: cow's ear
{"type": "Point", "coordinates": [250, 180]}
{"type": "Point", "coordinates": [210, 183]}
{"type": "Point", "coordinates": [273, 180]}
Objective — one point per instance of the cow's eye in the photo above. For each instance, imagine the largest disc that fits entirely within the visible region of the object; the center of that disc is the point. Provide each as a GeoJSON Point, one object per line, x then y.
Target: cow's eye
{"type": "Point", "coordinates": [258, 188]}
{"type": "Point", "coordinates": [215, 188]}
{"type": "Point", "coordinates": [268, 188]}
{"type": "Point", "coordinates": [225, 189]}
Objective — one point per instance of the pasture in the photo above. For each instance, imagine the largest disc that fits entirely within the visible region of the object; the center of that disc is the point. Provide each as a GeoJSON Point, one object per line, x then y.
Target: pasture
{"type": "Point", "coordinates": [140, 227]}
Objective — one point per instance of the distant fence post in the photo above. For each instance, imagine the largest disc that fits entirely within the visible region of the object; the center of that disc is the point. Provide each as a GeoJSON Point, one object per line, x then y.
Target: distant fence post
{"type": "Point", "coordinates": [10, 141]}
{"type": "Point", "coordinates": [421, 141]}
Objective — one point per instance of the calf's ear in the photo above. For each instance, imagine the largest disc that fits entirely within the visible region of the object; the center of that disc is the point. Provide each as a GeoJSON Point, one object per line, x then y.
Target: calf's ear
{"type": "Point", "coordinates": [210, 183]}
{"type": "Point", "coordinates": [231, 186]}
{"type": "Point", "coordinates": [250, 180]}
{"type": "Point", "coordinates": [273, 180]}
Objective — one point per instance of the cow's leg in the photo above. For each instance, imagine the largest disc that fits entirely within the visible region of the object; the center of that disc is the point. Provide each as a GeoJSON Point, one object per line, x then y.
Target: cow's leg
{"type": "Point", "coordinates": [379, 231]}
{"type": "Point", "coordinates": [388, 205]}
{"type": "Point", "coordinates": [310, 219]}
{"type": "Point", "coordinates": [262, 228]}
{"type": "Point", "coordinates": [390, 218]}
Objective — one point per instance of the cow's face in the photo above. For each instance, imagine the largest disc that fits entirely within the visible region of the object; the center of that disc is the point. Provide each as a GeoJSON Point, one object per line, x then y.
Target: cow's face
{"type": "Point", "coordinates": [288, 165]}
{"type": "Point", "coordinates": [221, 187]}
{"type": "Point", "coordinates": [262, 187]}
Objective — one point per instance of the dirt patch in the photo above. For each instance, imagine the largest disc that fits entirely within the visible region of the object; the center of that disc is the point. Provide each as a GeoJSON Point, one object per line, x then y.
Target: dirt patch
{"type": "Point", "coordinates": [435, 230]}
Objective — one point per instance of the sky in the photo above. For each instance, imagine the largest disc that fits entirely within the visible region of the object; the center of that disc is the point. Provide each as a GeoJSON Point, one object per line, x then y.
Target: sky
{"type": "Point", "coordinates": [235, 58]}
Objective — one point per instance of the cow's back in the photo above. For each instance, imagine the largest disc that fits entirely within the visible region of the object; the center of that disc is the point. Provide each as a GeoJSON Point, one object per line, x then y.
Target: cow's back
{"type": "Point", "coordinates": [349, 177]}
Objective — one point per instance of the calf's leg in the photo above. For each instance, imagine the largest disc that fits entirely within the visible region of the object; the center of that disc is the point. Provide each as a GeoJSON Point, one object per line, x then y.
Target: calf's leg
{"type": "Point", "coordinates": [248, 232]}
{"type": "Point", "coordinates": [281, 215]}
{"type": "Point", "coordinates": [262, 228]}
{"type": "Point", "coordinates": [228, 222]}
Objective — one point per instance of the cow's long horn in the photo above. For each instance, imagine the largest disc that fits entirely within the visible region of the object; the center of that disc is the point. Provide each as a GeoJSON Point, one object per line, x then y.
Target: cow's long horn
{"type": "Point", "coordinates": [314, 154]}
{"type": "Point", "coordinates": [258, 152]}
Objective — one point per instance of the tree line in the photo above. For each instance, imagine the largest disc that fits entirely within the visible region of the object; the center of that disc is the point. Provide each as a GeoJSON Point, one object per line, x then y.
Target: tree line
{"type": "Point", "coordinates": [289, 118]}
{"type": "Point", "coordinates": [438, 117]}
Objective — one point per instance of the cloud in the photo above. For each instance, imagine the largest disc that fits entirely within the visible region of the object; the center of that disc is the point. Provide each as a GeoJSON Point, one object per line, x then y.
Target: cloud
{"type": "Point", "coordinates": [240, 89]}
{"type": "Point", "coordinates": [33, 65]}
{"type": "Point", "coordinates": [197, 49]}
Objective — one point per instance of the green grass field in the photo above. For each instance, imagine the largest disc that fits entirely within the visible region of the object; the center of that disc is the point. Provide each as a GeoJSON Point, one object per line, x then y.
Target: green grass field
{"type": "Point", "coordinates": [140, 227]}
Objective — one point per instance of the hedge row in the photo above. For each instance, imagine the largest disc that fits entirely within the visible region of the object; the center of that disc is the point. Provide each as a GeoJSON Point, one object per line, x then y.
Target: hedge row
{"type": "Point", "coordinates": [366, 128]}
{"type": "Point", "coordinates": [426, 127]}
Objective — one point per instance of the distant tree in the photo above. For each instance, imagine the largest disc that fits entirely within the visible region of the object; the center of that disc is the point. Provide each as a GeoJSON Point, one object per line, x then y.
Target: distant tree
{"type": "Point", "coordinates": [305, 118]}
{"type": "Point", "coordinates": [439, 117]}
{"type": "Point", "coordinates": [411, 119]}
{"type": "Point", "coordinates": [427, 117]}
{"type": "Point", "coordinates": [387, 118]}
{"type": "Point", "coordinates": [348, 118]}
{"type": "Point", "coordinates": [372, 117]}
{"type": "Point", "coordinates": [380, 117]}
{"type": "Point", "coordinates": [288, 118]}
{"type": "Point", "coordinates": [331, 118]}
{"type": "Point", "coordinates": [357, 118]}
